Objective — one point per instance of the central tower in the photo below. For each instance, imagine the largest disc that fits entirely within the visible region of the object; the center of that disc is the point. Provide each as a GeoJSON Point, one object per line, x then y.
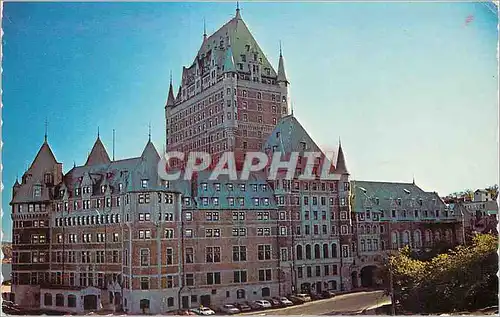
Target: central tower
{"type": "Point", "coordinates": [229, 99]}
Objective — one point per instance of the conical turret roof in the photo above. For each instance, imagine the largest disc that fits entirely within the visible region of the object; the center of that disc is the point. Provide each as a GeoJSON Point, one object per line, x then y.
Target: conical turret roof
{"type": "Point", "coordinates": [98, 155]}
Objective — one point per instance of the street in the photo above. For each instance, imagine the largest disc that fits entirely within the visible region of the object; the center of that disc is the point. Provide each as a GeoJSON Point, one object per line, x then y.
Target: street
{"type": "Point", "coordinates": [353, 302]}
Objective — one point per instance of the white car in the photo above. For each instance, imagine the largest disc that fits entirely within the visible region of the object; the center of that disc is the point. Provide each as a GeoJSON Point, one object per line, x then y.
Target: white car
{"type": "Point", "coordinates": [285, 301]}
{"type": "Point", "coordinates": [203, 311]}
{"type": "Point", "coordinates": [260, 304]}
{"type": "Point", "coordinates": [229, 309]}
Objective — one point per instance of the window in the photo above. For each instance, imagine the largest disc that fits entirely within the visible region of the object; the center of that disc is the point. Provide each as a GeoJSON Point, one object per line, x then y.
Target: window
{"type": "Point", "coordinates": [144, 183]}
{"type": "Point", "coordinates": [240, 276]}
{"type": "Point", "coordinates": [170, 256]}
{"type": "Point", "coordinates": [188, 233]}
{"type": "Point", "coordinates": [209, 233]}
{"type": "Point", "coordinates": [169, 233]}
{"type": "Point", "coordinates": [264, 252]}
{"type": "Point", "coordinates": [240, 294]}
{"type": "Point", "coordinates": [212, 254]}
{"type": "Point", "coordinates": [189, 279]}
{"type": "Point", "coordinates": [47, 299]}
{"type": "Point", "coordinates": [189, 216]}
{"type": "Point", "coordinates": [265, 275]}
{"type": "Point", "coordinates": [239, 253]}
{"type": "Point", "coordinates": [238, 215]}
{"type": "Point", "coordinates": [144, 286]}
{"type": "Point", "coordinates": [59, 300]}
{"type": "Point", "coordinates": [144, 257]}
{"type": "Point", "coordinates": [284, 254]}
{"type": "Point", "coordinates": [345, 251]}
{"type": "Point", "coordinates": [213, 278]}
{"type": "Point", "coordinates": [189, 255]}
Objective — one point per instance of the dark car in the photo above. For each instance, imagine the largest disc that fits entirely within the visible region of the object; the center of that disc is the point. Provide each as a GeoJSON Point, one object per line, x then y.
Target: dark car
{"type": "Point", "coordinates": [316, 296]}
{"type": "Point", "coordinates": [328, 294]}
{"type": "Point", "coordinates": [243, 307]}
{"type": "Point", "coordinates": [275, 302]}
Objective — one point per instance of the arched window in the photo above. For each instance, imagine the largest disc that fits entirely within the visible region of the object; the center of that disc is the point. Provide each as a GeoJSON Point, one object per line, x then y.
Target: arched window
{"type": "Point", "coordinates": [325, 251]}
{"type": "Point", "coordinates": [395, 240]}
{"type": "Point", "coordinates": [447, 235]}
{"type": "Point", "coordinates": [299, 252]}
{"type": "Point", "coordinates": [240, 293]}
{"type": "Point", "coordinates": [59, 300]}
{"type": "Point", "coordinates": [375, 229]}
{"type": "Point", "coordinates": [144, 303]}
{"type": "Point", "coordinates": [308, 251]}
{"type": "Point", "coordinates": [363, 247]}
{"type": "Point", "coordinates": [437, 236]}
{"type": "Point", "coordinates": [428, 238]}
{"type": "Point", "coordinates": [47, 299]}
{"type": "Point", "coordinates": [317, 251]}
{"type": "Point", "coordinates": [361, 229]}
{"type": "Point", "coordinates": [417, 239]}
{"type": "Point", "coordinates": [368, 229]}
{"type": "Point", "coordinates": [71, 300]}
{"type": "Point", "coordinates": [406, 238]}
{"type": "Point", "coordinates": [334, 250]}
{"type": "Point", "coordinates": [266, 292]}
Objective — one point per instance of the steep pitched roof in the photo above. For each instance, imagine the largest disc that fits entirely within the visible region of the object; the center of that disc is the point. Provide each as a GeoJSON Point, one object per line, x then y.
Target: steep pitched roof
{"type": "Point", "coordinates": [45, 156]}
{"type": "Point", "coordinates": [236, 32]}
{"type": "Point", "coordinates": [290, 136]}
{"type": "Point", "coordinates": [281, 70]}
{"type": "Point", "coordinates": [171, 98]}
{"type": "Point", "coordinates": [98, 155]}
{"type": "Point", "coordinates": [340, 167]}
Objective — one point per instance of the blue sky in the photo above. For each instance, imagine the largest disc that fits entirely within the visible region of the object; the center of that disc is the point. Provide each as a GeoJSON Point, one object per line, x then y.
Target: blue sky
{"type": "Point", "coordinates": [410, 88]}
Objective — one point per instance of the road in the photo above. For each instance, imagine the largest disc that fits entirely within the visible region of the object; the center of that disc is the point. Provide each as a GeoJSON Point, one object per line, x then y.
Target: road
{"type": "Point", "coordinates": [348, 303]}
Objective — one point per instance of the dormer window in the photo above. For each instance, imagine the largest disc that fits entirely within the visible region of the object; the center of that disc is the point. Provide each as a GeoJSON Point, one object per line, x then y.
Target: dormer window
{"type": "Point", "coordinates": [217, 186]}
{"type": "Point", "coordinates": [377, 201]}
{"type": "Point", "coordinates": [229, 187]}
{"type": "Point", "coordinates": [37, 191]}
{"type": "Point", "coordinates": [61, 192]}
{"type": "Point", "coordinates": [144, 183]}
{"type": "Point", "coordinates": [103, 189]}
{"type": "Point", "coordinates": [399, 201]}
{"type": "Point", "coordinates": [303, 145]}
{"type": "Point", "coordinates": [120, 187]}
{"type": "Point", "coordinates": [48, 179]}
{"type": "Point", "coordinates": [77, 191]}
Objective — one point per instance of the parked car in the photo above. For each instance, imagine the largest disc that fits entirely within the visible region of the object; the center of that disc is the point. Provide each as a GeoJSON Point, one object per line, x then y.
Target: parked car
{"type": "Point", "coordinates": [328, 294]}
{"type": "Point", "coordinates": [229, 309]}
{"type": "Point", "coordinates": [285, 301]}
{"type": "Point", "coordinates": [243, 307]}
{"type": "Point", "coordinates": [301, 298]}
{"type": "Point", "coordinates": [316, 296]}
{"type": "Point", "coordinates": [275, 302]}
{"type": "Point", "coordinates": [261, 304]}
{"type": "Point", "coordinates": [203, 311]}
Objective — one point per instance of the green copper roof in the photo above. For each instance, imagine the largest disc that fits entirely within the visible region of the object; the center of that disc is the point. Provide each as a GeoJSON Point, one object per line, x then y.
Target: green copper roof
{"type": "Point", "coordinates": [386, 196]}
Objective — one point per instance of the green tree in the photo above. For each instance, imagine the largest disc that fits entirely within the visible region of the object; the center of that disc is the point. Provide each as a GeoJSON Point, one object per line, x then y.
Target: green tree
{"type": "Point", "coordinates": [461, 279]}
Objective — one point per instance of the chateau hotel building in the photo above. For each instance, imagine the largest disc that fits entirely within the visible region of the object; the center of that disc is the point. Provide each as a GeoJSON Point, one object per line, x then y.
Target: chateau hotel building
{"type": "Point", "coordinates": [111, 235]}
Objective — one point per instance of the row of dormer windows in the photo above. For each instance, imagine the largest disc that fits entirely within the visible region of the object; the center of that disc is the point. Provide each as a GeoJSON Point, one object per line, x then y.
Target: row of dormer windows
{"type": "Point", "coordinates": [88, 190]}
{"type": "Point", "coordinates": [230, 187]}
{"type": "Point", "coordinates": [31, 208]}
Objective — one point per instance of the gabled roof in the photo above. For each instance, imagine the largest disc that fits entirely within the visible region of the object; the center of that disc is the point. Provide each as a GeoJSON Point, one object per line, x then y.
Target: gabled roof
{"type": "Point", "coordinates": [98, 155]}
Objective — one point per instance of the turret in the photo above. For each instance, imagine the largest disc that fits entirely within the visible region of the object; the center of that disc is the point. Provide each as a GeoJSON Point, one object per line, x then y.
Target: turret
{"type": "Point", "coordinates": [341, 167]}
{"type": "Point", "coordinates": [282, 80]}
{"type": "Point", "coordinates": [171, 98]}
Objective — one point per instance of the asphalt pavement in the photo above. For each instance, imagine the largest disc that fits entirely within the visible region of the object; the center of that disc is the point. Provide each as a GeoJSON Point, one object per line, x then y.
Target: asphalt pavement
{"type": "Point", "coordinates": [347, 303]}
